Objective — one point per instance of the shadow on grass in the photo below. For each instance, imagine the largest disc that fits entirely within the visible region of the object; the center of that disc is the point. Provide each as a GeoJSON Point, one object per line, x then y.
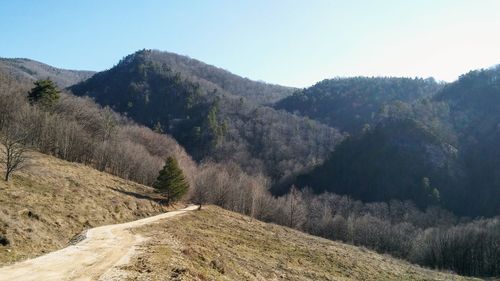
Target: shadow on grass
{"type": "Point", "coordinates": [158, 199]}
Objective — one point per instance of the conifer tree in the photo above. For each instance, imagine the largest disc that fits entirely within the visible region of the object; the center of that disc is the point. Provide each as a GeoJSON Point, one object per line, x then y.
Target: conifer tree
{"type": "Point", "coordinates": [171, 181]}
{"type": "Point", "coordinates": [45, 93]}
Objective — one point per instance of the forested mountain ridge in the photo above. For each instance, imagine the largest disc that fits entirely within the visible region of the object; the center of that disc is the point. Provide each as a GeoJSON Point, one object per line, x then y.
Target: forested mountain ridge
{"type": "Point", "coordinates": [351, 104]}
{"type": "Point", "coordinates": [398, 159]}
{"type": "Point", "coordinates": [209, 76]}
{"type": "Point", "coordinates": [33, 70]}
{"type": "Point", "coordinates": [209, 121]}
{"type": "Point", "coordinates": [474, 114]}
{"type": "Point", "coordinates": [447, 157]}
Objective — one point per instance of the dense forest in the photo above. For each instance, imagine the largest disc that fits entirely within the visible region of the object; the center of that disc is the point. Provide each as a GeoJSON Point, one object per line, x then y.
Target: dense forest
{"type": "Point", "coordinates": [365, 167]}
{"type": "Point", "coordinates": [352, 104]}
{"type": "Point", "coordinates": [213, 77]}
{"type": "Point", "coordinates": [208, 121]}
{"type": "Point", "coordinates": [401, 166]}
{"type": "Point", "coordinates": [440, 150]}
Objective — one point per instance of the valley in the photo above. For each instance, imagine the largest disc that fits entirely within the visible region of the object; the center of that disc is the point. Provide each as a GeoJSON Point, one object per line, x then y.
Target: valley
{"type": "Point", "coordinates": [249, 140]}
{"type": "Point", "coordinates": [382, 163]}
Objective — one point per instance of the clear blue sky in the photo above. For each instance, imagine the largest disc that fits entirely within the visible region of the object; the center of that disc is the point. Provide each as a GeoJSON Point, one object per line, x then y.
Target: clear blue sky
{"type": "Point", "coordinates": [294, 43]}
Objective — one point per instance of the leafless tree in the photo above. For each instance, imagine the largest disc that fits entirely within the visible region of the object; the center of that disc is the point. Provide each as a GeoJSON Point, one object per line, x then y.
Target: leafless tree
{"type": "Point", "coordinates": [13, 149]}
{"type": "Point", "coordinates": [294, 208]}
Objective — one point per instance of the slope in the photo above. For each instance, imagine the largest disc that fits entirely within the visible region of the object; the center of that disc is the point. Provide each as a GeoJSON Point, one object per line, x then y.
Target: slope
{"type": "Point", "coordinates": [350, 104]}
{"type": "Point", "coordinates": [215, 244]}
{"type": "Point", "coordinates": [33, 70]}
{"type": "Point", "coordinates": [398, 159]}
{"type": "Point", "coordinates": [442, 150]}
{"type": "Point", "coordinates": [102, 248]}
{"type": "Point", "coordinates": [473, 103]}
{"type": "Point", "coordinates": [212, 76]}
{"type": "Point", "coordinates": [52, 200]}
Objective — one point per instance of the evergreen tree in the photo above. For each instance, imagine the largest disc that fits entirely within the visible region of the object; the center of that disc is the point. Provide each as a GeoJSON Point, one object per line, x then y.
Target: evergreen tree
{"type": "Point", "coordinates": [45, 93]}
{"type": "Point", "coordinates": [158, 128]}
{"type": "Point", "coordinates": [171, 181]}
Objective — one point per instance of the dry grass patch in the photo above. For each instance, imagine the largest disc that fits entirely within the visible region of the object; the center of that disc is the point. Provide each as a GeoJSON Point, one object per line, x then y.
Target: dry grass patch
{"type": "Point", "coordinates": [215, 244]}
{"type": "Point", "coordinates": [51, 201]}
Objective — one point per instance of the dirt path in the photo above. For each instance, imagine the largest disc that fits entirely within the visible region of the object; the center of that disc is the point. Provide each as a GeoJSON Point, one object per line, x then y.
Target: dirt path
{"type": "Point", "coordinates": [104, 248]}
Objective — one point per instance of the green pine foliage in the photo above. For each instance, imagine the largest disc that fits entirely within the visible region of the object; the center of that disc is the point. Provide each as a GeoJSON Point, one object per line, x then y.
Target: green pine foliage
{"type": "Point", "coordinates": [45, 93]}
{"type": "Point", "coordinates": [171, 181]}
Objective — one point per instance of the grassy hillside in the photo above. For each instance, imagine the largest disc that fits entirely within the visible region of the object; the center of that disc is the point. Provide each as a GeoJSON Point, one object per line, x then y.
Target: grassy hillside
{"type": "Point", "coordinates": [52, 200]}
{"type": "Point", "coordinates": [215, 244]}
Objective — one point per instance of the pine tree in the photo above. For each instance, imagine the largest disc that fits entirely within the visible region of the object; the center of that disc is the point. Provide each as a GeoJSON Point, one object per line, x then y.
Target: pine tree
{"type": "Point", "coordinates": [171, 181]}
{"type": "Point", "coordinates": [158, 128]}
{"type": "Point", "coordinates": [45, 93]}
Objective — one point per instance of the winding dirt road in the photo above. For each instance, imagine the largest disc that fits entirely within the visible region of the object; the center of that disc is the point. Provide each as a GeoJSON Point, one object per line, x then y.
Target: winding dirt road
{"type": "Point", "coordinates": [104, 248]}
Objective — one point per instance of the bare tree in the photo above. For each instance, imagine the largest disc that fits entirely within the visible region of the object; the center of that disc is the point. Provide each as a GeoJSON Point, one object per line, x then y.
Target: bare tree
{"type": "Point", "coordinates": [13, 156]}
{"type": "Point", "coordinates": [201, 192]}
{"type": "Point", "coordinates": [295, 208]}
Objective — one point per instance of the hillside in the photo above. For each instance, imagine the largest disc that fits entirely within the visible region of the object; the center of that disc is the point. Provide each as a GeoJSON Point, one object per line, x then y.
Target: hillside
{"type": "Point", "coordinates": [446, 145]}
{"type": "Point", "coordinates": [52, 200]}
{"type": "Point", "coordinates": [217, 78]}
{"type": "Point", "coordinates": [33, 70]}
{"type": "Point", "coordinates": [436, 151]}
{"type": "Point", "coordinates": [350, 104]}
{"type": "Point", "coordinates": [474, 114]}
{"type": "Point", "coordinates": [416, 166]}
{"type": "Point", "coordinates": [209, 122]}
{"type": "Point", "coordinates": [215, 244]}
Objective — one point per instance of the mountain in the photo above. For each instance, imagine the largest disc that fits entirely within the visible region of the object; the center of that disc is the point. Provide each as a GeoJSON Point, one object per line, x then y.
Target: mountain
{"type": "Point", "coordinates": [441, 150]}
{"type": "Point", "coordinates": [474, 114]}
{"type": "Point", "coordinates": [209, 121]}
{"type": "Point", "coordinates": [33, 70]}
{"type": "Point", "coordinates": [413, 150]}
{"type": "Point", "coordinates": [398, 159]}
{"type": "Point", "coordinates": [350, 104]}
{"type": "Point", "coordinates": [212, 77]}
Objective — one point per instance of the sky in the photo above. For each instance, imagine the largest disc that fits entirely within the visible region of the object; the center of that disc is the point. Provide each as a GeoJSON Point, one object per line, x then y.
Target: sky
{"type": "Point", "coordinates": [288, 42]}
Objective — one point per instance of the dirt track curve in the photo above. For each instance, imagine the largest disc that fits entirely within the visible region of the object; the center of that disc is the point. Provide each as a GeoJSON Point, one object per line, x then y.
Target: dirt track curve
{"type": "Point", "coordinates": [104, 248]}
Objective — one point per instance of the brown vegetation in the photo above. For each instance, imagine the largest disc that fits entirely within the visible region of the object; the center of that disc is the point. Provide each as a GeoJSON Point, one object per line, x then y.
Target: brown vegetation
{"type": "Point", "coordinates": [50, 201]}
{"type": "Point", "coordinates": [78, 130]}
{"type": "Point", "coordinates": [215, 244]}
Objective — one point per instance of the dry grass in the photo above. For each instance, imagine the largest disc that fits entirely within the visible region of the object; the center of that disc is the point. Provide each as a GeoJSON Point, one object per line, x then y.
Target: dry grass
{"type": "Point", "coordinates": [215, 244]}
{"type": "Point", "coordinates": [51, 200]}
{"type": "Point", "coordinates": [45, 205]}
